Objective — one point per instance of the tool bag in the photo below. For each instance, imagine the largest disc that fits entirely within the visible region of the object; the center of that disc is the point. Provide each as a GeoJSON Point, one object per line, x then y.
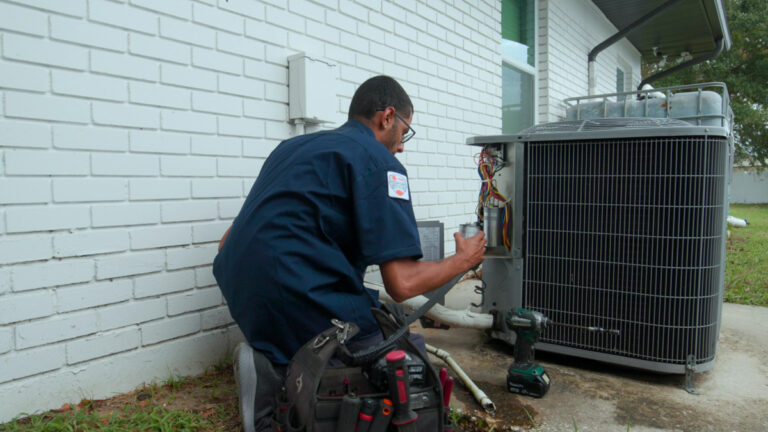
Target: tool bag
{"type": "Point", "coordinates": [353, 397]}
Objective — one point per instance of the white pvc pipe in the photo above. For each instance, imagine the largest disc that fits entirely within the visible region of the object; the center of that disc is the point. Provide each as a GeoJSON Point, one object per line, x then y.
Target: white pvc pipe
{"type": "Point", "coordinates": [736, 222]}
{"type": "Point", "coordinates": [457, 318]}
{"type": "Point", "coordinates": [479, 395]}
{"type": "Point", "coordinates": [439, 313]}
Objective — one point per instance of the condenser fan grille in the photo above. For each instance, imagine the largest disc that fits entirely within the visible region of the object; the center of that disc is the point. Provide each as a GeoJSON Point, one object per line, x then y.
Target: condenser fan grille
{"type": "Point", "coordinates": [627, 234]}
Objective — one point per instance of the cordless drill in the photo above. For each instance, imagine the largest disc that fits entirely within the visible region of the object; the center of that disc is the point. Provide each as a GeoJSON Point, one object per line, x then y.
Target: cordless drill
{"type": "Point", "coordinates": [525, 376]}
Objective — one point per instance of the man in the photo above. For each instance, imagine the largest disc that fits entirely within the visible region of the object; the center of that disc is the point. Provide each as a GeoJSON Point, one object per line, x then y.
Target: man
{"type": "Point", "coordinates": [324, 207]}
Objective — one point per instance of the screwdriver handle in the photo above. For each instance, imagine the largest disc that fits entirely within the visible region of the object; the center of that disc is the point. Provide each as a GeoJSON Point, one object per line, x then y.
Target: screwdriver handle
{"type": "Point", "coordinates": [397, 375]}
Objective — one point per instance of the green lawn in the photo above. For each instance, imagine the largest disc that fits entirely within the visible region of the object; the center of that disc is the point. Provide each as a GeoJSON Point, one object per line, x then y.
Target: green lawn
{"type": "Point", "coordinates": [746, 270]}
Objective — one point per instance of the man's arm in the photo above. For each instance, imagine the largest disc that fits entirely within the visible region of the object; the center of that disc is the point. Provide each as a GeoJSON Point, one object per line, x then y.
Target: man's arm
{"type": "Point", "coordinates": [405, 277]}
{"type": "Point", "coordinates": [224, 238]}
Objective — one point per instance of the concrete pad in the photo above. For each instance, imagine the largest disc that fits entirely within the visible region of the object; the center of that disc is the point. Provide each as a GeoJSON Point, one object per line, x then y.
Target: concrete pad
{"type": "Point", "coordinates": [595, 396]}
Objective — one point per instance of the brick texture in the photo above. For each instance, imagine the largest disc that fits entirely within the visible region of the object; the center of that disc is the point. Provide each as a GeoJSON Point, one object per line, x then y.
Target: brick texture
{"type": "Point", "coordinates": [102, 345]}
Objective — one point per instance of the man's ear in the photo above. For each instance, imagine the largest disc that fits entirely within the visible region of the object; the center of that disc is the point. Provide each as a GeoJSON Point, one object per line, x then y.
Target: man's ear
{"type": "Point", "coordinates": [380, 122]}
{"type": "Point", "coordinates": [387, 117]}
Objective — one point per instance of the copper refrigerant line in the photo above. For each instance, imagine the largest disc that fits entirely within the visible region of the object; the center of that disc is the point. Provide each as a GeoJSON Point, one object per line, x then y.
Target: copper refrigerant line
{"type": "Point", "coordinates": [614, 332]}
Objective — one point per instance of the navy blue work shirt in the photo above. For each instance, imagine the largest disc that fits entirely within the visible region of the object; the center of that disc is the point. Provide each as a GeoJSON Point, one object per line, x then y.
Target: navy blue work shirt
{"type": "Point", "coordinates": [323, 208]}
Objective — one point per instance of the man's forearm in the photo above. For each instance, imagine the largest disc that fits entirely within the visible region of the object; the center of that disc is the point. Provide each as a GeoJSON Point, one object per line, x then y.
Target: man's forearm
{"type": "Point", "coordinates": [406, 278]}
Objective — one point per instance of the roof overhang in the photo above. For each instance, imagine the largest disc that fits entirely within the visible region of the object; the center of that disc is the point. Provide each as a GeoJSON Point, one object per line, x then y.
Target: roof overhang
{"type": "Point", "coordinates": [687, 26]}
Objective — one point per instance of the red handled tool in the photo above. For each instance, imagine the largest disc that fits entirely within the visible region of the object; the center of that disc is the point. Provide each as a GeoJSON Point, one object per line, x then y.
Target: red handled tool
{"type": "Point", "coordinates": [397, 374]}
{"type": "Point", "coordinates": [367, 412]}
{"type": "Point", "coordinates": [447, 389]}
{"type": "Point", "coordinates": [382, 417]}
{"type": "Point", "coordinates": [350, 407]}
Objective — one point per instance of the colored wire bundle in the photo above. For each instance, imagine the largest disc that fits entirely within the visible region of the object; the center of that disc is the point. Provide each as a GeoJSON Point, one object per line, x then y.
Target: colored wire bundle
{"type": "Point", "coordinates": [488, 165]}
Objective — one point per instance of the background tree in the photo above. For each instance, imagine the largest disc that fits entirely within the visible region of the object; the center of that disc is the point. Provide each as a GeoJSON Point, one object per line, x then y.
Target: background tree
{"type": "Point", "coordinates": [744, 69]}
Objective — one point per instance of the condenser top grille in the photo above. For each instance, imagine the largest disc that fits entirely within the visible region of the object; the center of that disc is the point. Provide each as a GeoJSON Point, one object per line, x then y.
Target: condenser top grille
{"type": "Point", "coordinates": [604, 124]}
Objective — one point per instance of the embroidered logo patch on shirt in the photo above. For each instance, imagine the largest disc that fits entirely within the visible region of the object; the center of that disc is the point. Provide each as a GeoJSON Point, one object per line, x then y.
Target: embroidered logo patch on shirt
{"type": "Point", "coordinates": [398, 185]}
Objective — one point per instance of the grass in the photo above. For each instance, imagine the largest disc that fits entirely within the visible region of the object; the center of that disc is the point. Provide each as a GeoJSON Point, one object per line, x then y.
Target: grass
{"type": "Point", "coordinates": [746, 270]}
{"type": "Point", "coordinates": [206, 402]}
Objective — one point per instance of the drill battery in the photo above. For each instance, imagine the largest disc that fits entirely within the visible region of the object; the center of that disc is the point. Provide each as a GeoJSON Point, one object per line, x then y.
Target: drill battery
{"type": "Point", "coordinates": [529, 381]}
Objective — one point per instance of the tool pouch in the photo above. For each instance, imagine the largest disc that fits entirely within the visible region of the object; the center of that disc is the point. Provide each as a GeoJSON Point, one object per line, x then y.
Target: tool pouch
{"type": "Point", "coordinates": [313, 392]}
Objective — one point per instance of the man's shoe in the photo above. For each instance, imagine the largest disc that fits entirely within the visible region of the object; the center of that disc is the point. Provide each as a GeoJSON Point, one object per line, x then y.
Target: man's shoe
{"type": "Point", "coordinates": [246, 379]}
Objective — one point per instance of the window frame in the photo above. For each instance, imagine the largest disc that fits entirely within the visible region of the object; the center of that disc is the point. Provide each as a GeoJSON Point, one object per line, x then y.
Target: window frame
{"type": "Point", "coordinates": [524, 67]}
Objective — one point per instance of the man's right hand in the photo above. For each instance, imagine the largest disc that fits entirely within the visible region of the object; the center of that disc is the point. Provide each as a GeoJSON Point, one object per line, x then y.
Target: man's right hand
{"type": "Point", "coordinates": [471, 250]}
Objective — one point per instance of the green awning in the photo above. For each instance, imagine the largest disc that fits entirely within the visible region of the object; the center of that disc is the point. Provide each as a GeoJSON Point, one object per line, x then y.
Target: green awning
{"type": "Point", "coordinates": [692, 26]}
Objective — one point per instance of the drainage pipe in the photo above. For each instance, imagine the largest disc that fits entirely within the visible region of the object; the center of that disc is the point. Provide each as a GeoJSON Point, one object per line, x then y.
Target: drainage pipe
{"type": "Point", "coordinates": [479, 395]}
{"type": "Point", "coordinates": [706, 56]}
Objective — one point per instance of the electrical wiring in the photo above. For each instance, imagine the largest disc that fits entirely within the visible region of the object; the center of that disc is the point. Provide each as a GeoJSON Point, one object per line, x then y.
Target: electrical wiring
{"type": "Point", "coordinates": [488, 164]}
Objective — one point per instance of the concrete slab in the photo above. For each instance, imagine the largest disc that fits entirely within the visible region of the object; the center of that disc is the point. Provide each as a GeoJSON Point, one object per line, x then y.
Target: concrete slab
{"type": "Point", "coordinates": [587, 395]}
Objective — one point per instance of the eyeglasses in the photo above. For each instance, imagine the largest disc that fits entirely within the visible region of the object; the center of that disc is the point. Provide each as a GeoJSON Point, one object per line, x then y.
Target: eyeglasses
{"type": "Point", "coordinates": [410, 133]}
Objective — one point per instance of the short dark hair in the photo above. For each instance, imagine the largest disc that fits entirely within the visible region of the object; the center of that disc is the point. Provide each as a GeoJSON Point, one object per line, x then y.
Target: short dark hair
{"type": "Point", "coordinates": [378, 93]}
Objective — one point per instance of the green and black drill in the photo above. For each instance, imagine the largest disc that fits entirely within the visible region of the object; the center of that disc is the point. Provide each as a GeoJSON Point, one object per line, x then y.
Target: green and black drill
{"type": "Point", "coordinates": [525, 376]}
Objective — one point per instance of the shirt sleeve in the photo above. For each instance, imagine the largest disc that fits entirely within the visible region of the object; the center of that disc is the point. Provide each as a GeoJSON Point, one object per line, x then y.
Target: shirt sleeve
{"type": "Point", "coordinates": [384, 221]}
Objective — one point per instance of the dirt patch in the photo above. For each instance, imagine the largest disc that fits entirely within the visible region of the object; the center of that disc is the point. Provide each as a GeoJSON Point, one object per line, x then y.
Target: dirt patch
{"type": "Point", "coordinates": [210, 399]}
{"type": "Point", "coordinates": [649, 410]}
{"type": "Point", "coordinates": [511, 411]}
{"type": "Point", "coordinates": [212, 394]}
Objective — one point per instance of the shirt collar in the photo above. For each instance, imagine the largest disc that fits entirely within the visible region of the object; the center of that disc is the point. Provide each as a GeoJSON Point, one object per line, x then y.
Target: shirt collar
{"type": "Point", "coordinates": [359, 126]}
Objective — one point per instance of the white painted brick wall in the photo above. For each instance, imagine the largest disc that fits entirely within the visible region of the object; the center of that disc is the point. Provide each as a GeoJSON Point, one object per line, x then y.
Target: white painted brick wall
{"type": "Point", "coordinates": [6, 335]}
{"type": "Point", "coordinates": [129, 314]}
{"type": "Point", "coordinates": [130, 133]}
{"type": "Point", "coordinates": [24, 134]}
{"type": "Point", "coordinates": [194, 300]}
{"type": "Point", "coordinates": [62, 327]}
{"type": "Point", "coordinates": [102, 345]}
{"type": "Point", "coordinates": [21, 248]}
{"type": "Point", "coordinates": [164, 283]}
{"type": "Point", "coordinates": [90, 138]}
{"type": "Point", "coordinates": [24, 307]}
{"type": "Point", "coordinates": [51, 273]}
{"type": "Point", "coordinates": [204, 276]}
{"type": "Point", "coordinates": [19, 364]}
{"type": "Point", "coordinates": [125, 214]}
{"type": "Point", "coordinates": [89, 242]}
{"type": "Point", "coordinates": [130, 264]}
{"type": "Point", "coordinates": [572, 30]}
{"type": "Point", "coordinates": [93, 294]}
{"type": "Point", "coordinates": [161, 236]}
{"type": "Point", "coordinates": [170, 328]}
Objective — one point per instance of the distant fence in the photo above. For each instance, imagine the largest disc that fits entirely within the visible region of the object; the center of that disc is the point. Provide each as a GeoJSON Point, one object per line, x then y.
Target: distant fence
{"type": "Point", "coordinates": [749, 186]}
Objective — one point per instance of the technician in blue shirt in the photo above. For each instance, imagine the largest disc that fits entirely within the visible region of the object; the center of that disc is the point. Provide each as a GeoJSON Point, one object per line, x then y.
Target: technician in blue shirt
{"type": "Point", "coordinates": [324, 207]}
